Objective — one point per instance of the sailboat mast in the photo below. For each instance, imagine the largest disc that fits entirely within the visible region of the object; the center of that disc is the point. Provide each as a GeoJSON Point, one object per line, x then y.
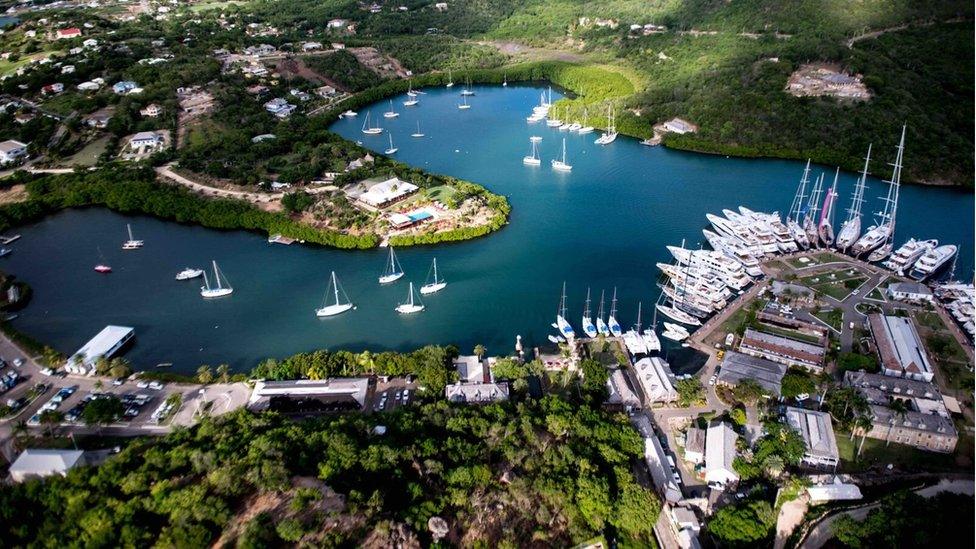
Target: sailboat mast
{"type": "Point", "coordinates": [799, 196]}
{"type": "Point", "coordinates": [859, 188]}
{"type": "Point", "coordinates": [586, 312]}
{"type": "Point", "coordinates": [335, 286]}
{"type": "Point", "coordinates": [217, 274]}
{"type": "Point", "coordinates": [613, 303]}
{"type": "Point", "coordinates": [638, 316]}
{"type": "Point", "coordinates": [435, 271]}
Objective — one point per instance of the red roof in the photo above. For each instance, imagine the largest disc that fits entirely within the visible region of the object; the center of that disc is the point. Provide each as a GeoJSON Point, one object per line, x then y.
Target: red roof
{"type": "Point", "coordinates": [72, 31]}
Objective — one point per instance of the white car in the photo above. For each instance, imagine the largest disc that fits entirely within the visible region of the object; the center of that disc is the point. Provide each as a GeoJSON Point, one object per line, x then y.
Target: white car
{"type": "Point", "coordinates": [18, 362]}
{"type": "Point", "coordinates": [142, 384]}
{"type": "Point", "coordinates": [156, 386]}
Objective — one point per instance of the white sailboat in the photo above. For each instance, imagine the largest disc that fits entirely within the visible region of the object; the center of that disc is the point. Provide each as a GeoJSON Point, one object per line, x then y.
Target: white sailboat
{"type": "Point", "coordinates": [411, 305]}
{"type": "Point", "coordinates": [349, 114]}
{"type": "Point", "coordinates": [392, 272]}
{"type": "Point", "coordinates": [220, 289]}
{"type": "Point", "coordinates": [601, 325]}
{"type": "Point", "coordinates": [588, 326]}
{"type": "Point", "coordinates": [611, 134]}
{"type": "Point", "coordinates": [412, 95]}
{"type": "Point", "coordinates": [585, 129]}
{"type": "Point", "coordinates": [392, 149]}
{"type": "Point", "coordinates": [850, 230]}
{"type": "Point", "coordinates": [877, 241]}
{"type": "Point", "coordinates": [370, 130]}
{"type": "Point", "coordinates": [450, 80]}
{"type": "Point", "coordinates": [649, 335]}
{"type": "Point", "coordinates": [673, 311]}
{"type": "Point", "coordinates": [391, 113]}
{"type": "Point", "coordinates": [813, 208]}
{"type": "Point", "coordinates": [825, 229]}
{"type": "Point", "coordinates": [505, 81]}
{"type": "Point", "coordinates": [338, 306]}
{"type": "Point", "coordinates": [410, 92]}
{"type": "Point", "coordinates": [418, 133]}
{"type": "Point", "coordinates": [467, 88]}
{"type": "Point", "coordinates": [189, 273]}
{"type": "Point", "coordinates": [562, 165]}
{"type": "Point", "coordinates": [131, 243]}
{"type": "Point", "coordinates": [464, 103]}
{"type": "Point", "coordinates": [533, 158]}
{"type": "Point", "coordinates": [612, 320]}
{"type": "Point", "coordinates": [411, 102]}
{"type": "Point", "coordinates": [552, 121]}
{"type": "Point", "coordinates": [435, 285]}
{"type": "Point", "coordinates": [562, 324]}
{"type": "Point", "coordinates": [794, 218]}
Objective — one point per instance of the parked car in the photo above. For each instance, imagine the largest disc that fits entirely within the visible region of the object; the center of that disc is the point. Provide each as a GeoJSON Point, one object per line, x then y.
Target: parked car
{"type": "Point", "coordinates": [142, 384]}
{"type": "Point", "coordinates": [18, 362]}
{"type": "Point", "coordinates": [156, 386]}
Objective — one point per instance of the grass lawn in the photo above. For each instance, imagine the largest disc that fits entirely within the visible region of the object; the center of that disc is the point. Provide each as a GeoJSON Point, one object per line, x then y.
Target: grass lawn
{"type": "Point", "coordinates": [88, 155]}
{"type": "Point", "coordinates": [731, 324]}
{"type": "Point", "coordinates": [875, 453]}
{"type": "Point", "coordinates": [930, 320]}
{"type": "Point", "coordinates": [833, 317]}
{"type": "Point", "coordinates": [837, 284]}
{"type": "Point", "coordinates": [441, 192]}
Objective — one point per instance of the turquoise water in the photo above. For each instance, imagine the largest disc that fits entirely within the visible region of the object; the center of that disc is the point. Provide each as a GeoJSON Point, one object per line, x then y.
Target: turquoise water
{"type": "Point", "coordinates": [603, 225]}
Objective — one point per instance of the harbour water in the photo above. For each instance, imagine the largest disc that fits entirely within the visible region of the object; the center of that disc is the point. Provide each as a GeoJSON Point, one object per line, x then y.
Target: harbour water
{"type": "Point", "coordinates": [604, 224]}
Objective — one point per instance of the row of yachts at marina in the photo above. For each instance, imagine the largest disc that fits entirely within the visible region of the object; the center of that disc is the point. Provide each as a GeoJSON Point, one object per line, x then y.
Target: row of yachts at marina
{"type": "Point", "coordinates": [811, 223]}
{"type": "Point", "coordinates": [699, 283]}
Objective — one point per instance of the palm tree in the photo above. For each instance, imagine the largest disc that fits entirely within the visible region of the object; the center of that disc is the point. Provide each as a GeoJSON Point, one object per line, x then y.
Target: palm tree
{"type": "Point", "coordinates": [98, 385]}
{"type": "Point", "coordinates": [20, 433]}
{"type": "Point", "coordinates": [119, 368]}
{"type": "Point", "coordinates": [479, 350]}
{"type": "Point", "coordinates": [899, 409]}
{"type": "Point", "coordinates": [51, 419]}
{"type": "Point", "coordinates": [204, 375]}
{"type": "Point", "coordinates": [862, 424]}
{"type": "Point", "coordinates": [223, 372]}
{"type": "Point", "coordinates": [366, 362]}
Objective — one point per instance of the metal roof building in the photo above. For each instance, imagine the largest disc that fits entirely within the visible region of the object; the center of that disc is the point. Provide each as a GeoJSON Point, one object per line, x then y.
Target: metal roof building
{"type": "Point", "coordinates": [738, 366]}
{"type": "Point", "coordinates": [817, 432]}
{"type": "Point", "coordinates": [900, 347]}
{"type": "Point", "coordinates": [719, 454]}
{"type": "Point", "coordinates": [43, 462]}
{"type": "Point", "coordinates": [782, 349]}
{"type": "Point", "coordinates": [654, 376]}
{"type": "Point", "coordinates": [352, 389]}
{"type": "Point", "coordinates": [105, 344]}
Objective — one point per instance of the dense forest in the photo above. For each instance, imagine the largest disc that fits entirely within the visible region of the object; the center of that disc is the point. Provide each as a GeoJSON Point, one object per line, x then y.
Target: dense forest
{"type": "Point", "coordinates": [532, 474]}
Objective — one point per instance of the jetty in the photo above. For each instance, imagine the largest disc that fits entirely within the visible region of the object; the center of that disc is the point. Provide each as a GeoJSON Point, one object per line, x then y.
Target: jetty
{"type": "Point", "coordinates": [279, 239]}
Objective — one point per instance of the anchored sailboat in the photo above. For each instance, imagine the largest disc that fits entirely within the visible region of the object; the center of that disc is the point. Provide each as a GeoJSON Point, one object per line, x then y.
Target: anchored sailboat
{"type": "Point", "coordinates": [676, 298]}
{"type": "Point", "coordinates": [826, 227]}
{"type": "Point", "coordinates": [588, 326]}
{"type": "Point", "coordinates": [220, 289]}
{"type": "Point", "coordinates": [585, 129]}
{"type": "Point", "coordinates": [565, 330]}
{"type": "Point", "coordinates": [562, 165]}
{"type": "Point", "coordinates": [418, 133]}
{"type": "Point", "coordinates": [601, 325]}
{"type": "Point", "coordinates": [533, 158]}
{"type": "Point", "coordinates": [411, 305]}
{"type": "Point", "coordinates": [464, 102]}
{"type": "Point", "coordinates": [131, 243]}
{"type": "Point", "coordinates": [370, 130]}
{"type": "Point", "coordinates": [393, 271]}
{"type": "Point", "coordinates": [337, 306]}
{"type": "Point", "coordinates": [612, 320]}
{"type": "Point", "coordinates": [450, 80]}
{"type": "Point", "coordinates": [391, 113]}
{"type": "Point", "coordinates": [392, 149]}
{"type": "Point", "coordinates": [850, 230]}
{"type": "Point", "coordinates": [434, 286]}
{"type": "Point", "coordinates": [611, 134]}
{"type": "Point", "coordinates": [467, 88]}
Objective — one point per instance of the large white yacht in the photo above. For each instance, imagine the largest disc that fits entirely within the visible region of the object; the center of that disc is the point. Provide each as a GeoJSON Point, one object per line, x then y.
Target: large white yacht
{"type": "Point", "coordinates": [933, 261]}
{"type": "Point", "coordinates": [909, 253]}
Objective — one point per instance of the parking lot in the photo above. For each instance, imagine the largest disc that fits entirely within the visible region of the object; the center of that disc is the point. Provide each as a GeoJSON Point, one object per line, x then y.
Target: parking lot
{"type": "Point", "coordinates": [391, 394]}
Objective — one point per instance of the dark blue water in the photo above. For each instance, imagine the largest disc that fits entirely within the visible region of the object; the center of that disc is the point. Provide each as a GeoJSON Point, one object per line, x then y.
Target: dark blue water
{"type": "Point", "coordinates": [603, 225]}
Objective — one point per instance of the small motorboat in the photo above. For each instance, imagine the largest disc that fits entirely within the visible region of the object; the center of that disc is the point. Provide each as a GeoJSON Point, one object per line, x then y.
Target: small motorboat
{"type": "Point", "coordinates": [189, 273]}
{"type": "Point", "coordinates": [104, 269]}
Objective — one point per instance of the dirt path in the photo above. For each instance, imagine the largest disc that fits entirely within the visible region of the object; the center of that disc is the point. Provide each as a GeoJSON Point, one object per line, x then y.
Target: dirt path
{"type": "Point", "coordinates": [531, 53]}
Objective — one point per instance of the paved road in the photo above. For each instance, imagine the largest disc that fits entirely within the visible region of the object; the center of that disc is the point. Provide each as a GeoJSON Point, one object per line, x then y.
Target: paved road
{"type": "Point", "coordinates": [254, 197]}
{"type": "Point", "coordinates": [823, 531]}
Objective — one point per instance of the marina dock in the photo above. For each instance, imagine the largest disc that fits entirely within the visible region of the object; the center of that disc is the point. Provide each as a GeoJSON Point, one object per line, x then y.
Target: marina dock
{"type": "Point", "coordinates": [279, 239]}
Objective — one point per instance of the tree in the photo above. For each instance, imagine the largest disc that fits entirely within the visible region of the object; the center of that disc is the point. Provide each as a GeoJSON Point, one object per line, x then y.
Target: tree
{"type": "Point", "coordinates": [21, 434]}
{"type": "Point", "coordinates": [797, 382]}
{"type": "Point", "coordinates": [119, 368]}
{"type": "Point", "coordinates": [743, 525]}
{"type": "Point", "coordinates": [204, 374]}
{"type": "Point", "coordinates": [853, 362]}
{"type": "Point", "coordinates": [102, 411]}
{"type": "Point", "coordinates": [223, 373]}
{"type": "Point", "coordinates": [51, 419]}
{"type": "Point", "coordinates": [479, 350]}
{"type": "Point", "coordinates": [690, 391]}
{"type": "Point", "coordinates": [748, 391]}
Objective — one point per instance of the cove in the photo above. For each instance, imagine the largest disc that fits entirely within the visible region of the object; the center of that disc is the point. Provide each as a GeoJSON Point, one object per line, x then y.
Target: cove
{"type": "Point", "coordinates": [605, 224]}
